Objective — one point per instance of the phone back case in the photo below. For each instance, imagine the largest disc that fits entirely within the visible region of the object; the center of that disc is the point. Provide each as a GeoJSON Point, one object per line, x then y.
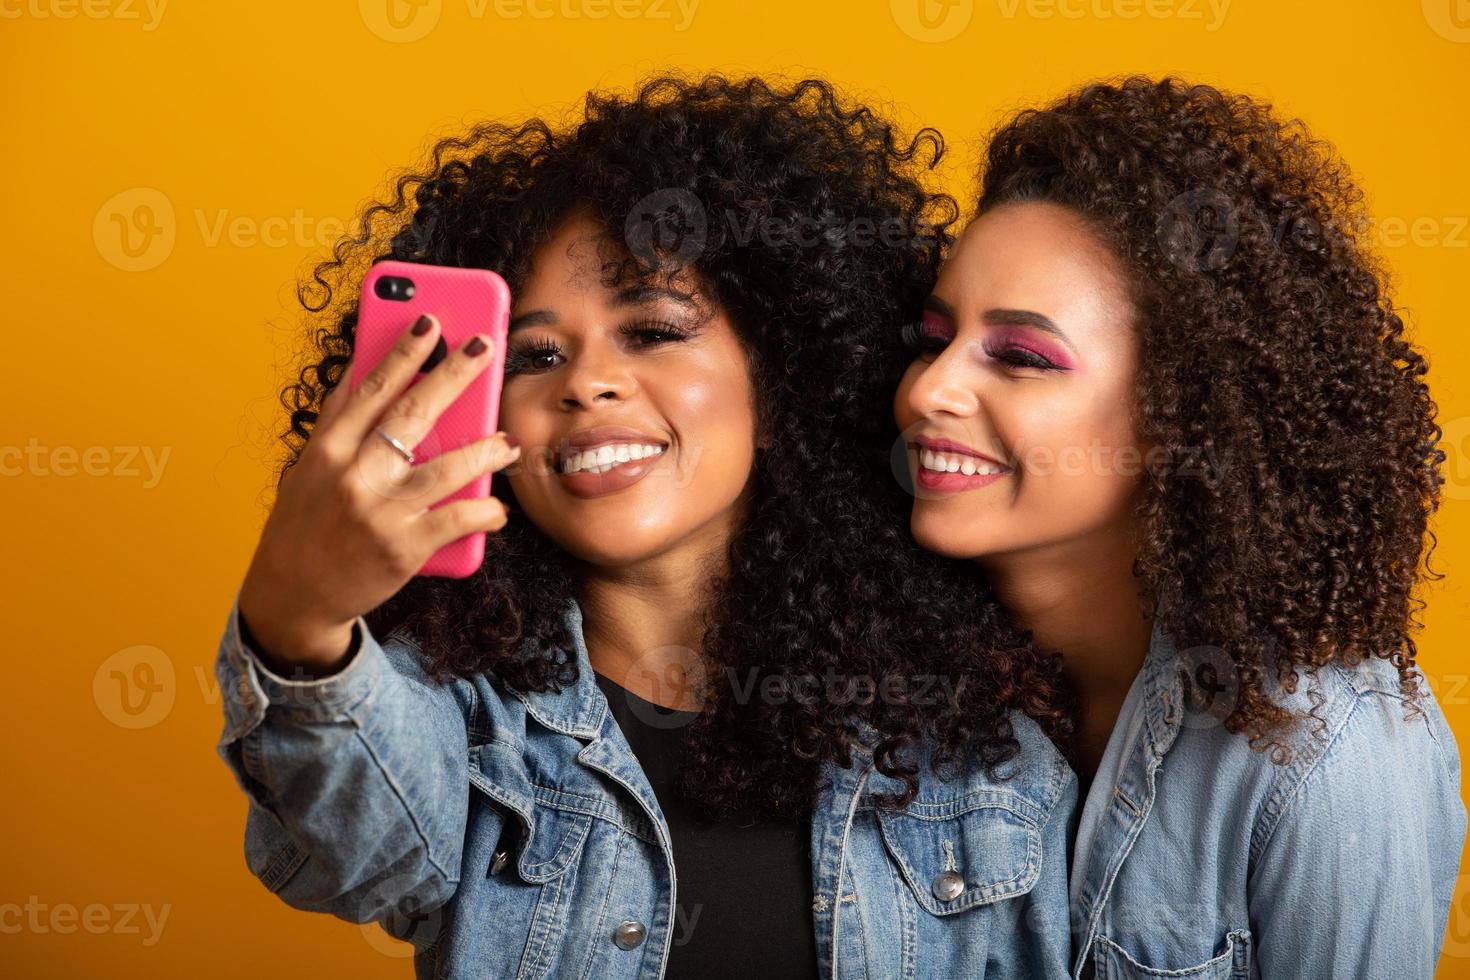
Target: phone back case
{"type": "Point", "coordinates": [465, 302]}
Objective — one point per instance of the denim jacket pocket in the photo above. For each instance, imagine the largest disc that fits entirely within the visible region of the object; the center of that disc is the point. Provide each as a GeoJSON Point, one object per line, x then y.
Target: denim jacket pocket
{"type": "Point", "coordinates": [553, 844]}
{"type": "Point", "coordinates": [530, 879]}
{"type": "Point", "coordinates": [551, 835]}
{"type": "Point", "coordinates": [1233, 962]}
{"type": "Point", "coordinates": [961, 853]}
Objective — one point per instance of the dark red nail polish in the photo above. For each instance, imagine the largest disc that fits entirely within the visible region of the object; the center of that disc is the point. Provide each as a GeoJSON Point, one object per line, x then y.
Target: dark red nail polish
{"type": "Point", "coordinates": [511, 440]}
{"type": "Point", "coordinates": [475, 347]}
{"type": "Point", "coordinates": [421, 325]}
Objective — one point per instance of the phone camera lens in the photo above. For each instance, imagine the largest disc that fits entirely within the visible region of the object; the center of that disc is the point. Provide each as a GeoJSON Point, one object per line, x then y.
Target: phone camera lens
{"type": "Point", "coordinates": [396, 288]}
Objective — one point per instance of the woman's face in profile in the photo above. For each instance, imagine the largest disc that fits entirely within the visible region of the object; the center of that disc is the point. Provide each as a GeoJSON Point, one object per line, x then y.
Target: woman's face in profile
{"type": "Point", "coordinates": [633, 404]}
{"type": "Point", "coordinates": [1016, 410]}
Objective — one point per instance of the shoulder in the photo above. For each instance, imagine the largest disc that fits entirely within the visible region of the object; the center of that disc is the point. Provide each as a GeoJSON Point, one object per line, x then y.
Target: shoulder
{"type": "Point", "coordinates": [1355, 716]}
{"type": "Point", "coordinates": [1039, 771]}
{"type": "Point", "coordinates": [1356, 740]}
{"type": "Point", "coordinates": [1363, 750]}
{"type": "Point", "coordinates": [479, 699]}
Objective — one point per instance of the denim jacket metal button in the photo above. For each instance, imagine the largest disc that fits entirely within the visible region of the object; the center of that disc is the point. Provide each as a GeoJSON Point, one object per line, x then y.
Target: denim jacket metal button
{"type": "Point", "coordinates": [436, 810]}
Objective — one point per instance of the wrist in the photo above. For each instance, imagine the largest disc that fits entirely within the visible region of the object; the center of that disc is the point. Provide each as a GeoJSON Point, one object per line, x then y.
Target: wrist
{"type": "Point", "coordinates": [313, 651]}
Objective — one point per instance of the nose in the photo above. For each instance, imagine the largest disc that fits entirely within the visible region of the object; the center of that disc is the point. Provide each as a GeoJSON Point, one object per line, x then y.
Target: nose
{"type": "Point", "coordinates": [598, 373]}
{"type": "Point", "coordinates": [945, 385]}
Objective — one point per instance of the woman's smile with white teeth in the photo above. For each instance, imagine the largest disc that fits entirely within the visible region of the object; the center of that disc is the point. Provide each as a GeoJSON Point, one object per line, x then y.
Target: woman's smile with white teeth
{"type": "Point", "coordinates": [604, 458]}
{"type": "Point", "coordinates": [955, 463]}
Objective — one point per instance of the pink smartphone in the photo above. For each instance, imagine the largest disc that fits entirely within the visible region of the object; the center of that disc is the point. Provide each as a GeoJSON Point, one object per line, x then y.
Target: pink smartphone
{"type": "Point", "coordinates": [465, 302]}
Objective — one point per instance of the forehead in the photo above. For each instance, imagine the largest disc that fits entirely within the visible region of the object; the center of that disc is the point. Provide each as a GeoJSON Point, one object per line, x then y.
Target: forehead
{"type": "Point", "coordinates": [584, 259]}
{"type": "Point", "coordinates": [1036, 256]}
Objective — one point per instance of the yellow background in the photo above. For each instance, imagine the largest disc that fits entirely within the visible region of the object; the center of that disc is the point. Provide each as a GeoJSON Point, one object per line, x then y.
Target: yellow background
{"type": "Point", "coordinates": [261, 127]}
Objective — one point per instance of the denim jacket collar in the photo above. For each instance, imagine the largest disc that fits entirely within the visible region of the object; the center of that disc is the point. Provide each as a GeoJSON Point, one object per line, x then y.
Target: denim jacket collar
{"type": "Point", "coordinates": [1133, 796]}
{"type": "Point", "coordinates": [577, 710]}
{"type": "Point", "coordinates": [1256, 835]}
{"type": "Point", "coordinates": [580, 844]}
{"type": "Point", "coordinates": [1162, 691]}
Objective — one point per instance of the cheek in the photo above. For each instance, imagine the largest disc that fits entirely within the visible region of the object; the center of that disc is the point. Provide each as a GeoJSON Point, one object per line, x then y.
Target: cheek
{"type": "Point", "coordinates": [523, 417]}
{"type": "Point", "coordinates": [517, 415]}
{"type": "Point", "coordinates": [1080, 448]}
{"type": "Point", "coordinates": [712, 418]}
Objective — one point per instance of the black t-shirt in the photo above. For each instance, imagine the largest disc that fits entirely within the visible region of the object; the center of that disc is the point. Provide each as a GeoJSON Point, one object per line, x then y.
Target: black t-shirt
{"type": "Point", "coordinates": [744, 903]}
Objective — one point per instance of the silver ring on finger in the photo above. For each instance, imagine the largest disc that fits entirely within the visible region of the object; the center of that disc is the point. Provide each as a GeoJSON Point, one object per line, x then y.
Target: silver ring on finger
{"type": "Point", "coordinates": [398, 447]}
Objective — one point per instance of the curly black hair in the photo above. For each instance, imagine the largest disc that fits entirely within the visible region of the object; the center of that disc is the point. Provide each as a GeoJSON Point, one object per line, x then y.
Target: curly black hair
{"type": "Point", "coordinates": [1272, 359]}
{"type": "Point", "coordinates": [814, 231]}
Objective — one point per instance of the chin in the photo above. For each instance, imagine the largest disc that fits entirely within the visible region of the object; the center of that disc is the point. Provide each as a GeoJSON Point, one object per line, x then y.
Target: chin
{"type": "Point", "coordinates": [613, 551]}
{"type": "Point", "coordinates": [939, 537]}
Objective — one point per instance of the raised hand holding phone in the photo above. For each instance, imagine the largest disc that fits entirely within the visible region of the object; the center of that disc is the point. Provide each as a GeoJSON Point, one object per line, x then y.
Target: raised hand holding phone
{"type": "Point", "coordinates": [463, 302]}
{"type": "Point", "coordinates": [345, 534]}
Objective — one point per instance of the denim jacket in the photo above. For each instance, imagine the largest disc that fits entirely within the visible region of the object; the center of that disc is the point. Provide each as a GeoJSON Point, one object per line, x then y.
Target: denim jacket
{"type": "Point", "coordinates": [510, 835]}
{"type": "Point", "coordinates": [1213, 861]}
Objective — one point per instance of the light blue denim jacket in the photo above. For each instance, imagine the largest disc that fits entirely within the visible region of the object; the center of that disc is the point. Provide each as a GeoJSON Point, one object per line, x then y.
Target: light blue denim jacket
{"type": "Point", "coordinates": [1212, 861]}
{"type": "Point", "coordinates": [517, 836]}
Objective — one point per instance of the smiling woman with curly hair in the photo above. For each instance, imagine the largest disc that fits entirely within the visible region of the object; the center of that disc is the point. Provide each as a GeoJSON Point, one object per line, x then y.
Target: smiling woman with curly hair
{"type": "Point", "coordinates": [1163, 398]}
{"type": "Point", "coordinates": [697, 713]}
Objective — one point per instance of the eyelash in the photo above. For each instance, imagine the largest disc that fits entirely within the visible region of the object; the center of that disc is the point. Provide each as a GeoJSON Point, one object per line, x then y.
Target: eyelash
{"type": "Point", "coordinates": [661, 331]}
{"type": "Point", "coordinates": [916, 340]}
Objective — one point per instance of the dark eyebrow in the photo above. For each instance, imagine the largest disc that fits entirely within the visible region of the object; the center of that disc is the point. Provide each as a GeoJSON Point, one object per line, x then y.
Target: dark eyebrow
{"type": "Point", "coordinates": [535, 318]}
{"type": "Point", "coordinates": [1002, 318]}
{"type": "Point", "coordinates": [1024, 318]}
{"type": "Point", "coordinates": [648, 295]}
{"type": "Point", "coordinates": [932, 302]}
{"type": "Point", "coordinates": [633, 296]}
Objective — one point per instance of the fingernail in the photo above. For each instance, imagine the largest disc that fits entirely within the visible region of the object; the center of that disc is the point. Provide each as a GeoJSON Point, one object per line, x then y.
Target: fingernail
{"type": "Point", "coordinates": [511, 440]}
{"type": "Point", "coordinates": [422, 324]}
{"type": "Point", "coordinates": [475, 347]}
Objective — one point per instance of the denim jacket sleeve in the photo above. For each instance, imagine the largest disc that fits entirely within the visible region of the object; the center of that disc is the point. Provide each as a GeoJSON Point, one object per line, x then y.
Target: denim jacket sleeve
{"type": "Point", "coordinates": [357, 782]}
{"type": "Point", "coordinates": [1356, 876]}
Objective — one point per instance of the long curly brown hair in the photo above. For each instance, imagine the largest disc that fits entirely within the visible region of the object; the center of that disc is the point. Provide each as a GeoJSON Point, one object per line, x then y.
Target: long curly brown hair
{"type": "Point", "coordinates": [819, 238]}
{"type": "Point", "coordinates": [1272, 356]}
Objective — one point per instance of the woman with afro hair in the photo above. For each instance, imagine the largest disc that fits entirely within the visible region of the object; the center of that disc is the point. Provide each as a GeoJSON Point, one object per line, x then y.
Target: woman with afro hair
{"type": "Point", "coordinates": [697, 713]}
{"type": "Point", "coordinates": [1161, 396]}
